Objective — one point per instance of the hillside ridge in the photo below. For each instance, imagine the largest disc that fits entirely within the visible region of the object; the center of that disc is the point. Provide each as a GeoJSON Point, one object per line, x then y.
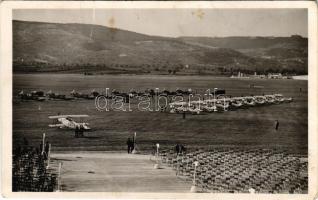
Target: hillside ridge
{"type": "Point", "coordinates": [86, 48]}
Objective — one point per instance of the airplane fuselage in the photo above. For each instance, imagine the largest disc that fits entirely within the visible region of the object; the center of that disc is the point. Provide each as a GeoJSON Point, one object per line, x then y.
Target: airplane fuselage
{"type": "Point", "coordinates": [72, 124]}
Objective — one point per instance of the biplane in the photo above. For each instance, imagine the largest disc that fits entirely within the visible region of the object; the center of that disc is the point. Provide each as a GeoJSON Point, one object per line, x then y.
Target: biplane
{"type": "Point", "coordinates": [67, 121]}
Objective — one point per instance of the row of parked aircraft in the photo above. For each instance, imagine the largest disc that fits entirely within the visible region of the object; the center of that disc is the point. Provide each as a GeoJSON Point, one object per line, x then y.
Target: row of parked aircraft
{"type": "Point", "coordinates": [41, 96]}
{"type": "Point", "coordinates": [226, 103]}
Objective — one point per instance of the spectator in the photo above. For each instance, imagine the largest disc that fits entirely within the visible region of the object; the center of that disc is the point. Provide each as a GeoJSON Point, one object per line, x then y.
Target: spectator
{"type": "Point", "coordinates": [129, 145]}
{"type": "Point", "coordinates": [276, 125]}
{"type": "Point", "coordinates": [183, 149]}
{"type": "Point", "coordinates": [154, 149]}
{"type": "Point", "coordinates": [178, 149]}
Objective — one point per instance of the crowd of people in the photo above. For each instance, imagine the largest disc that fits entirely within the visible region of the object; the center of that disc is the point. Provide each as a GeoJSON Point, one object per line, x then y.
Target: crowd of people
{"type": "Point", "coordinates": [179, 149]}
{"type": "Point", "coordinates": [29, 171]}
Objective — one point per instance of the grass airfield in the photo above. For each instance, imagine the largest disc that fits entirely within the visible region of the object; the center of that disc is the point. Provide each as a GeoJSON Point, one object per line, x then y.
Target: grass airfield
{"type": "Point", "coordinates": [252, 127]}
{"type": "Point", "coordinates": [99, 162]}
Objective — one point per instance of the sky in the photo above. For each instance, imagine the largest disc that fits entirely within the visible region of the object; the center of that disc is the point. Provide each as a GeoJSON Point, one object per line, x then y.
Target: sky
{"type": "Point", "coordinates": [182, 22]}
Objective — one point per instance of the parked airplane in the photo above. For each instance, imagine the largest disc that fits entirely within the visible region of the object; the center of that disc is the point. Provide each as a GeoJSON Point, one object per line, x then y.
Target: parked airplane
{"type": "Point", "coordinates": [66, 121]}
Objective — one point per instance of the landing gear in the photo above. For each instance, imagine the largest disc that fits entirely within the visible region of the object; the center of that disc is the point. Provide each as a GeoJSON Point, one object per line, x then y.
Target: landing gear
{"type": "Point", "coordinates": [79, 135]}
{"type": "Point", "coordinates": [79, 132]}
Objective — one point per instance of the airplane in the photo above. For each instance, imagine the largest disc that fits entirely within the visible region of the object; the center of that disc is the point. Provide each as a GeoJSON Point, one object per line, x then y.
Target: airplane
{"type": "Point", "coordinates": [66, 121]}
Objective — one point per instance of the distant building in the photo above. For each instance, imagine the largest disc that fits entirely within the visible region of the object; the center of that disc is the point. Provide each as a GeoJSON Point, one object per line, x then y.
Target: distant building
{"type": "Point", "coordinates": [261, 76]}
{"type": "Point", "coordinates": [274, 76]}
{"type": "Point", "coordinates": [258, 75]}
{"type": "Point", "coordinates": [240, 75]}
{"type": "Point", "coordinates": [302, 77]}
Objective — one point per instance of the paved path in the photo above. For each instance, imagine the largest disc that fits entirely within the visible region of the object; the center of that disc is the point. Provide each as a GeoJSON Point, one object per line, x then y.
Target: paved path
{"type": "Point", "coordinates": [115, 172]}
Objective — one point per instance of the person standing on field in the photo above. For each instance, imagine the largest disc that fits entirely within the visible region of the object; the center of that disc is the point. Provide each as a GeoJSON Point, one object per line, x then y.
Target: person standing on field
{"type": "Point", "coordinates": [276, 125]}
{"type": "Point", "coordinates": [129, 145]}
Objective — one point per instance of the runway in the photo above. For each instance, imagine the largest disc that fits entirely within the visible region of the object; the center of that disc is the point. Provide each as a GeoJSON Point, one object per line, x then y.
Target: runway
{"type": "Point", "coordinates": [115, 172]}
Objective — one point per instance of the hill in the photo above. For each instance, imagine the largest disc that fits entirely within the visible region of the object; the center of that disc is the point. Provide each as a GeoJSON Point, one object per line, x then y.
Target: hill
{"type": "Point", "coordinates": [295, 41]}
{"type": "Point", "coordinates": [290, 52]}
{"type": "Point", "coordinates": [78, 48]}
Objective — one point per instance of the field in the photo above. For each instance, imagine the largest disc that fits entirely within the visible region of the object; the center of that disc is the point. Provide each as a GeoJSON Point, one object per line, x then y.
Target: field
{"type": "Point", "coordinates": [253, 127]}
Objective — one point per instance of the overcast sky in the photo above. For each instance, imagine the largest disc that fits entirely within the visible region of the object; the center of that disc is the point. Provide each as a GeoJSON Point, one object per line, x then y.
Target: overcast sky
{"type": "Point", "coordinates": [183, 22]}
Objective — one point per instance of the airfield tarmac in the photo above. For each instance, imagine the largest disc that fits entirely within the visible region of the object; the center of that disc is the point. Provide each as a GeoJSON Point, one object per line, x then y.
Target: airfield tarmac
{"type": "Point", "coordinates": [115, 172]}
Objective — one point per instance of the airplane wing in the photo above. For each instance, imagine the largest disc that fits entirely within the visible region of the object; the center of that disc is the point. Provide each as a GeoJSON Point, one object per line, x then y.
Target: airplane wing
{"type": "Point", "coordinates": [64, 116]}
{"type": "Point", "coordinates": [56, 125]}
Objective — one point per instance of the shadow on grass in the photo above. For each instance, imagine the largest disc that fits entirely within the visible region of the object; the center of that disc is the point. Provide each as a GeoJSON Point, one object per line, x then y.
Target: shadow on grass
{"type": "Point", "coordinates": [160, 168]}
